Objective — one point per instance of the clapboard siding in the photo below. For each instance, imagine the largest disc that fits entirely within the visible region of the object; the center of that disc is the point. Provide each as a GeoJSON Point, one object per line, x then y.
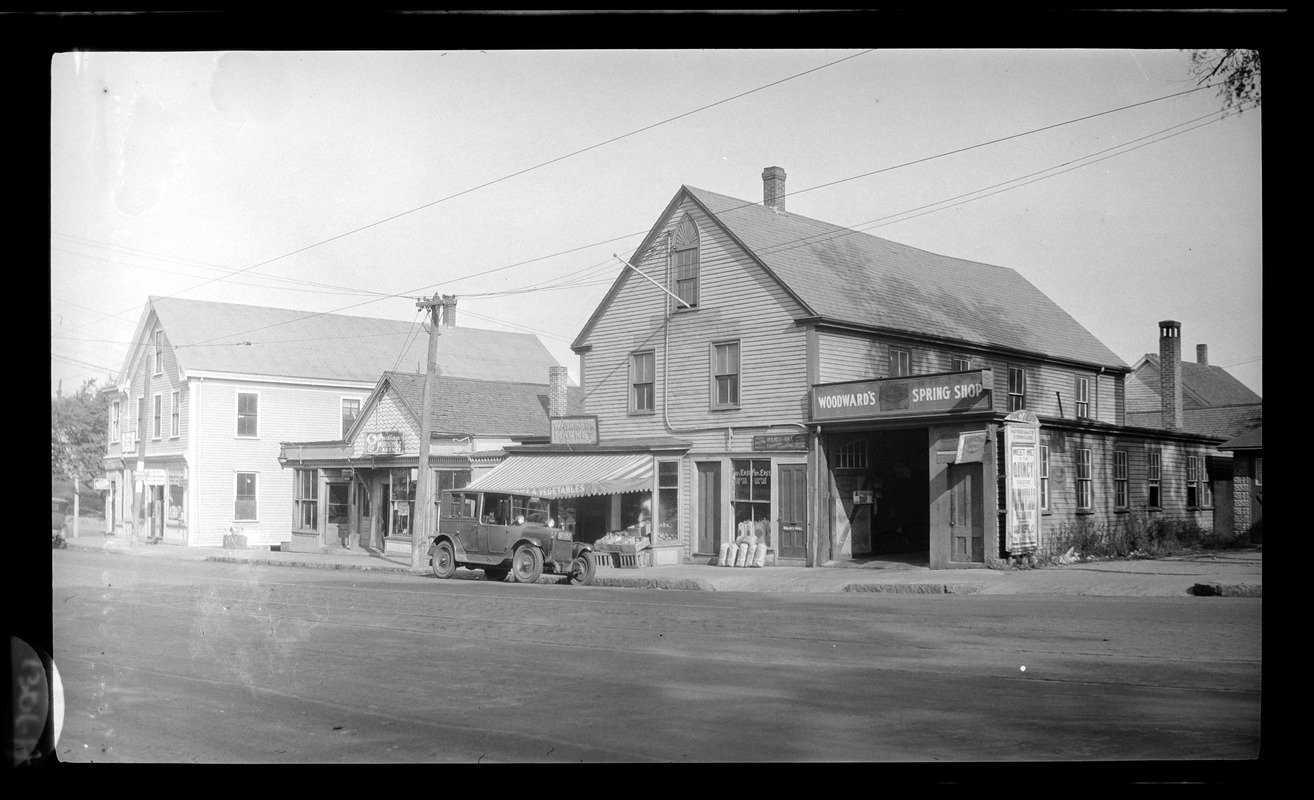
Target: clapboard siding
{"type": "Point", "coordinates": [285, 414]}
{"type": "Point", "coordinates": [1063, 447]}
{"type": "Point", "coordinates": [737, 302]}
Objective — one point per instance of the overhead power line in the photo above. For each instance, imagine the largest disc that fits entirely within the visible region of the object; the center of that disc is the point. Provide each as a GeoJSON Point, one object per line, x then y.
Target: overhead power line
{"type": "Point", "coordinates": [430, 287]}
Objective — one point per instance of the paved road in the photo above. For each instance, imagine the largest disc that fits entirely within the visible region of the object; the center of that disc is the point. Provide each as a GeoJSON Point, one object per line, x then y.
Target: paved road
{"type": "Point", "coordinates": [169, 661]}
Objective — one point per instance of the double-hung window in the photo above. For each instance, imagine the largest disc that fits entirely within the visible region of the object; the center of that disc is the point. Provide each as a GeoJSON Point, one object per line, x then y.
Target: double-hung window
{"type": "Point", "coordinates": [1017, 389]}
{"type": "Point", "coordinates": [350, 410]}
{"type": "Point", "coordinates": [643, 368]}
{"type": "Point", "coordinates": [900, 362]}
{"type": "Point", "coordinates": [1084, 499]}
{"type": "Point", "coordinates": [1083, 398]}
{"type": "Point", "coordinates": [725, 375]}
{"type": "Point", "coordinates": [173, 414]}
{"type": "Point", "coordinates": [1044, 477]}
{"type": "Point", "coordinates": [155, 419]}
{"type": "Point", "coordinates": [962, 364]}
{"type": "Point", "coordinates": [1198, 491]}
{"type": "Point", "coordinates": [244, 504]}
{"type": "Point", "coordinates": [1120, 478]}
{"type": "Point", "coordinates": [115, 410]}
{"type": "Point", "coordinates": [306, 498]}
{"type": "Point", "coordinates": [248, 407]}
{"type": "Point", "coordinates": [1154, 474]}
{"type": "Point", "coordinates": [159, 352]}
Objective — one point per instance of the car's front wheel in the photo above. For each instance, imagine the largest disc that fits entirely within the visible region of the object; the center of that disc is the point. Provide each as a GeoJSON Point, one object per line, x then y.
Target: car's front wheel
{"type": "Point", "coordinates": [582, 569]}
{"type": "Point", "coordinates": [527, 564]}
{"type": "Point", "coordinates": [444, 560]}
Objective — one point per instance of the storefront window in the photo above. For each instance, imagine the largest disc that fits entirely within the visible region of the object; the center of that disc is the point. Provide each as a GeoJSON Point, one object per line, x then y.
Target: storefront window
{"type": "Point", "coordinates": [306, 498]}
{"type": "Point", "coordinates": [177, 502]}
{"type": "Point", "coordinates": [401, 494]}
{"type": "Point", "coordinates": [668, 501]}
{"type": "Point", "coordinates": [446, 480]}
{"type": "Point", "coordinates": [337, 503]}
{"type": "Point", "coordinates": [636, 513]}
{"type": "Point", "coordinates": [752, 498]}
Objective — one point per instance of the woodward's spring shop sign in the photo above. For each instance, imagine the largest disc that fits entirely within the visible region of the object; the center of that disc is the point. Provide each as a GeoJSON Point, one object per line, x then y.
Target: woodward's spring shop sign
{"type": "Point", "coordinates": [950, 392]}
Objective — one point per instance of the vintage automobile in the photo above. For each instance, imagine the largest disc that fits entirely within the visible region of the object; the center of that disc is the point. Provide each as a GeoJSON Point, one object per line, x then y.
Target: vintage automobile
{"type": "Point", "coordinates": [505, 534]}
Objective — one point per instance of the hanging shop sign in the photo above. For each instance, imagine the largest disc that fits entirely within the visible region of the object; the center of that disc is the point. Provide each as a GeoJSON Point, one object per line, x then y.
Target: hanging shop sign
{"type": "Point", "coordinates": [384, 443]}
{"type": "Point", "coordinates": [946, 393]}
{"type": "Point", "coordinates": [574, 430]}
{"type": "Point", "coordinates": [1022, 444]}
{"type": "Point", "coordinates": [780, 441]}
{"type": "Point", "coordinates": [102, 484]}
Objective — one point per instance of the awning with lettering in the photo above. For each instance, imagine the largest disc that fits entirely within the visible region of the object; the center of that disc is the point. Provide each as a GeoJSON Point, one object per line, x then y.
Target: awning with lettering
{"type": "Point", "coordinates": [569, 475]}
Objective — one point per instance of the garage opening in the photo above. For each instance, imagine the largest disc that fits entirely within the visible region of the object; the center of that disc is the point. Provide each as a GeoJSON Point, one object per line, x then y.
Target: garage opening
{"type": "Point", "coordinates": [882, 481]}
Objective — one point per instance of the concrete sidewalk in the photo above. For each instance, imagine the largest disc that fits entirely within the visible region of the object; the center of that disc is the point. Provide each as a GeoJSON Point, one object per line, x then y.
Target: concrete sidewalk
{"type": "Point", "coordinates": [1234, 573]}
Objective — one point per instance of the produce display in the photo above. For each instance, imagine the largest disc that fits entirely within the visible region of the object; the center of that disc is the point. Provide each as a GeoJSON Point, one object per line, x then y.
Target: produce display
{"type": "Point", "coordinates": [622, 542]}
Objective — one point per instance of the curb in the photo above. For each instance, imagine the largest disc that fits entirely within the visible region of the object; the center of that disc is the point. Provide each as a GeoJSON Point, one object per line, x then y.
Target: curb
{"type": "Point", "coordinates": [315, 565]}
{"type": "Point", "coordinates": [915, 588]}
{"type": "Point", "coordinates": [1226, 590]}
{"type": "Point", "coordinates": [691, 584]}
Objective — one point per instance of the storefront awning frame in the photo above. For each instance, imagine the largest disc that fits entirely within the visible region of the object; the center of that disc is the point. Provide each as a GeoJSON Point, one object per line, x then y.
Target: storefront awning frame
{"type": "Point", "coordinates": [565, 475]}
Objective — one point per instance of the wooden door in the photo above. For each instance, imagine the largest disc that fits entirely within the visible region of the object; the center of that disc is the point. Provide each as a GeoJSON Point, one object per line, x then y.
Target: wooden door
{"type": "Point", "coordinates": [709, 507]}
{"type": "Point", "coordinates": [966, 513]}
{"type": "Point", "coordinates": [793, 511]}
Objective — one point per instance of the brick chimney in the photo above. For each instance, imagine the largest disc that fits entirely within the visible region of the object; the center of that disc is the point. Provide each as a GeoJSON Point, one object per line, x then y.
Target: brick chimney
{"type": "Point", "coordinates": [557, 394]}
{"type": "Point", "coordinates": [773, 189]}
{"type": "Point", "coordinates": [1170, 374]}
{"type": "Point", "coordinates": [1202, 354]}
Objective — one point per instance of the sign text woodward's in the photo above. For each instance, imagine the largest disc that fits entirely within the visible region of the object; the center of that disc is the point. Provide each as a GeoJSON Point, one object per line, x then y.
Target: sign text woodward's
{"type": "Point", "coordinates": [951, 392]}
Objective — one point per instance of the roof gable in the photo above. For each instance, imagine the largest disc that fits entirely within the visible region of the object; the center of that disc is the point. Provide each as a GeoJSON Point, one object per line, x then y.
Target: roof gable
{"type": "Point", "coordinates": [852, 278]}
{"type": "Point", "coordinates": [855, 278]}
{"type": "Point", "coordinates": [283, 343]}
{"type": "Point", "coordinates": [1206, 385]}
{"type": "Point", "coordinates": [463, 406]}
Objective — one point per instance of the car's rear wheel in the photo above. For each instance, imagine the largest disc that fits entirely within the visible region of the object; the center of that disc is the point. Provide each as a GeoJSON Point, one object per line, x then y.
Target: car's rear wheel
{"type": "Point", "coordinates": [582, 570]}
{"type": "Point", "coordinates": [444, 560]}
{"type": "Point", "coordinates": [527, 564]}
{"type": "Point", "coordinates": [497, 575]}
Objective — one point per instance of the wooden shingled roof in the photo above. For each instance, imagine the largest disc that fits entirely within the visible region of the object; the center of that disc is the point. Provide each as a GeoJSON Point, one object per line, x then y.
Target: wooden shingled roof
{"type": "Point", "coordinates": [853, 278]}
{"type": "Point", "coordinates": [462, 406]}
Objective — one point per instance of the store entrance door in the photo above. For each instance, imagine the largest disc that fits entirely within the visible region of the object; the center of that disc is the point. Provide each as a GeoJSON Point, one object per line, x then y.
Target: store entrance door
{"type": "Point", "coordinates": [793, 511]}
{"type": "Point", "coordinates": [966, 513]}
{"type": "Point", "coordinates": [709, 507]}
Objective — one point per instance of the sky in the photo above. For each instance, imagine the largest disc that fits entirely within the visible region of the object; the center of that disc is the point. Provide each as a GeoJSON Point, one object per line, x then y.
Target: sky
{"type": "Point", "coordinates": [358, 181]}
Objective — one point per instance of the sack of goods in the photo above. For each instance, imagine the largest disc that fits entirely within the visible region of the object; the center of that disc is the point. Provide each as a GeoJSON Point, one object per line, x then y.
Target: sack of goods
{"type": "Point", "coordinates": [759, 555]}
{"type": "Point", "coordinates": [728, 554]}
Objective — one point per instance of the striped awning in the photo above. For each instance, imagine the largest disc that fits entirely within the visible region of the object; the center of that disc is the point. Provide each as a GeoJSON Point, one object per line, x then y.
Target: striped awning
{"type": "Point", "coordinates": [568, 475]}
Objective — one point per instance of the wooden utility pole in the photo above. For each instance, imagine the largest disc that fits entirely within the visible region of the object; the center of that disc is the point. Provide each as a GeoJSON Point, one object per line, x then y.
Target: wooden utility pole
{"type": "Point", "coordinates": [424, 523]}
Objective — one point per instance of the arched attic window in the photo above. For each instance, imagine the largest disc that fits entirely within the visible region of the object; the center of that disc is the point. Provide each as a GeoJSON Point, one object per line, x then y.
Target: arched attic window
{"type": "Point", "coordinates": [686, 262]}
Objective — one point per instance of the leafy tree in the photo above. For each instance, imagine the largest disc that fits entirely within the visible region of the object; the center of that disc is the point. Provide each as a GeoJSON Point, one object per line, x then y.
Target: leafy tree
{"type": "Point", "coordinates": [1235, 70]}
{"type": "Point", "coordinates": [77, 434]}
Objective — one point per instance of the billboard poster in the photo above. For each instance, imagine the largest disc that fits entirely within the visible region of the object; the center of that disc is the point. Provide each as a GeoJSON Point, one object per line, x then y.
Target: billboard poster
{"type": "Point", "coordinates": [1021, 442]}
